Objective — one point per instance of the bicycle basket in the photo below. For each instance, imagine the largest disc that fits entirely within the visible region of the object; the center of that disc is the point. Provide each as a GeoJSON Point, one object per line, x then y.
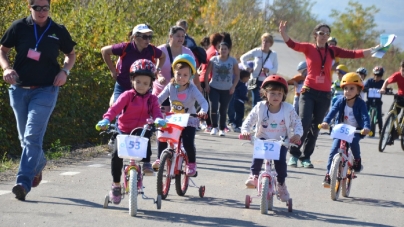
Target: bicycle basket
{"type": "Point", "coordinates": [171, 132]}
{"type": "Point", "coordinates": [132, 147]}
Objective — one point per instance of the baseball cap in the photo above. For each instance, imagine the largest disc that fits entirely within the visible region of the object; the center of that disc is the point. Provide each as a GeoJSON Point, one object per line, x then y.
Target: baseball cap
{"type": "Point", "coordinates": [141, 28]}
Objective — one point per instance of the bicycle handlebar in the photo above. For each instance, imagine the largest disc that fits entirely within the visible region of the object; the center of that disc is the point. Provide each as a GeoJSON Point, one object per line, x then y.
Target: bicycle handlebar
{"type": "Point", "coordinates": [356, 131]}
{"type": "Point", "coordinates": [285, 142]}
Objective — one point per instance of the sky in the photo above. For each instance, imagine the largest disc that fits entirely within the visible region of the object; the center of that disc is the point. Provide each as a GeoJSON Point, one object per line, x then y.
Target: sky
{"type": "Point", "coordinates": [390, 18]}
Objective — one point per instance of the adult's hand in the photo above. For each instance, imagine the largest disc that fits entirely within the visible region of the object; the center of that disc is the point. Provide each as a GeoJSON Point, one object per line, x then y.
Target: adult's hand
{"type": "Point", "coordinates": [10, 76]}
{"type": "Point", "coordinates": [231, 91]}
{"type": "Point", "coordinates": [207, 88]}
{"type": "Point", "coordinates": [114, 75]}
{"type": "Point", "coordinates": [282, 30]}
{"type": "Point", "coordinates": [161, 79]}
{"type": "Point", "coordinates": [60, 79]}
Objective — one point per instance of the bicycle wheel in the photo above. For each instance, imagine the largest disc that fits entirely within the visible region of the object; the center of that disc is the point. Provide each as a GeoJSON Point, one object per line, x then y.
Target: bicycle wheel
{"type": "Point", "coordinates": [346, 184]}
{"type": "Point", "coordinates": [271, 197]}
{"type": "Point", "coordinates": [163, 175]}
{"type": "Point", "coordinates": [133, 192]}
{"type": "Point", "coordinates": [402, 142]}
{"type": "Point", "coordinates": [181, 185]}
{"type": "Point", "coordinates": [335, 175]}
{"type": "Point", "coordinates": [386, 132]}
{"type": "Point", "coordinates": [373, 120]}
{"type": "Point", "coordinates": [264, 195]}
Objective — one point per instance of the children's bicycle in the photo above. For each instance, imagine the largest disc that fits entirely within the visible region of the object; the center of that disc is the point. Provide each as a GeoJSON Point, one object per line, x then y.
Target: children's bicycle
{"type": "Point", "coordinates": [373, 115]}
{"type": "Point", "coordinates": [134, 148]}
{"type": "Point", "coordinates": [342, 172]}
{"type": "Point", "coordinates": [174, 159]}
{"type": "Point", "coordinates": [267, 179]}
{"type": "Point", "coordinates": [392, 128]}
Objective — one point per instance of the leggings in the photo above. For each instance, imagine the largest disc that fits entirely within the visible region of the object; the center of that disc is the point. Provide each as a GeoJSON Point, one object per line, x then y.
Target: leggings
{"type": "Point", "coordinates": [223, 98]}
{"type": "Point", "coordinates": [188, 141]}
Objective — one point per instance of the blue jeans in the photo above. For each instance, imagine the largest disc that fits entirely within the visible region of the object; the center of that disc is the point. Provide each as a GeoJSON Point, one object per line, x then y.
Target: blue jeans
{"type": "Point", "coordinates": [118, 90]}
{"type": "Point", "coordinates": [354, 146]}
{"type": "Point", "coordinates": [256, 93]}
{"type": "Point", "coordinates": [32, 109]}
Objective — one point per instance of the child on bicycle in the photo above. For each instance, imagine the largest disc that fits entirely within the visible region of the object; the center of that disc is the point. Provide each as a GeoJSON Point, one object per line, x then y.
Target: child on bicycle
{"type": "Point", "coordinates": [183, 95]}
{"type": "Point", "coordinates": [135, 107]}
{"type": "Point", "coordinates": [375, 83]}
{"type": "Point", "coordinates": [273, 118]}
{"type": "Point", "coordinates": [298, 81]}
{"type": "Point", "coordinates": [351, 110]}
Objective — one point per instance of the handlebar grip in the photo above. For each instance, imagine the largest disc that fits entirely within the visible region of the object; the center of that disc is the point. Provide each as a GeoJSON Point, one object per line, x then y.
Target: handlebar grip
{"type": "Point", "coordinates": [370, 133]}
{"type": "Point", "coordinates": [97, 127]}
{"type": "Point", "coordinates": [319, 126]}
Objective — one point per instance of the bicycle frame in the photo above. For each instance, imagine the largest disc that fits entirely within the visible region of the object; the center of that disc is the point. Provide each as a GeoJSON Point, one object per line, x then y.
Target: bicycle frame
{"type": "Point", "coordinates": [347, 159]}
{"type": "Point", "coordinates": [395, 121]}
{"type": "Point", "coordinates": [178, 156]}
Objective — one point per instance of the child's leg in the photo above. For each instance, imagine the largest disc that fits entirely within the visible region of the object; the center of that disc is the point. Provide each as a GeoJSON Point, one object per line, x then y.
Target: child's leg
{"type": "Point", "coordinates": [333, 151]}
{"type": "Point", "coordinates": [239, 109]}
{"type": "Point", "coordinates": [256, 166]}
{"type": "Point", "coordinates": [355, 148]}
{"type": "Point", "coordinates": [280, 165]}
{"type": "Point", "coordinates": [116, 165]}
{"type": "Point", "coordinates": [188, 140]}
{"type": "Point", "coordinates": [379, 117]}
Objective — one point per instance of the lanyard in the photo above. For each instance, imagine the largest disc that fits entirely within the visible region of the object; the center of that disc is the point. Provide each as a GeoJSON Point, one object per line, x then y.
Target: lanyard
{"type": "Point", "coordinates": [36, 34]}
{"type": "Point", "coordinates": [321, 56]}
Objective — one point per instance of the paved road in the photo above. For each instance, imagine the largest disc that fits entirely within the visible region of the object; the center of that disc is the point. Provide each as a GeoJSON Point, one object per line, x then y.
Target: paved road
{"type": "Point", "coordinates": [73, 195]}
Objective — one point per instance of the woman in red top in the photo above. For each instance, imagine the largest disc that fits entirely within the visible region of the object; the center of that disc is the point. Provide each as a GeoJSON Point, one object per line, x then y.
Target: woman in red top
{"type": "Point", "coordinates": [315, 94]}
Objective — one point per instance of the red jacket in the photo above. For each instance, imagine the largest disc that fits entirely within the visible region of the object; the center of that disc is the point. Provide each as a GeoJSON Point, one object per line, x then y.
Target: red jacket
{"type": "Point", "coordinates": [210, 52]}
{"type": "Point", "coordinates": [135, 109]}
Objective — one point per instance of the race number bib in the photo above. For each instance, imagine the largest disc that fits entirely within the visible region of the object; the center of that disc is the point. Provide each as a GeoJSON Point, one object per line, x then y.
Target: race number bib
{"type": "Point", "coordinates": [132, 146]}
{"type": "Point", "coordinates": [267, 149]}
{"type": "Point", "coordinates": [374, 93]}
{"type": "Point", "coordinates": [343, 132]}
{"type": "Point", "coordinates": [178, 119]}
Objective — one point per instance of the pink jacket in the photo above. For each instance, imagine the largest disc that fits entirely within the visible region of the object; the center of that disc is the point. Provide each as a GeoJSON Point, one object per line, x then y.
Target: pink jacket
{"type": "Point", "coordinates": [134, 109]}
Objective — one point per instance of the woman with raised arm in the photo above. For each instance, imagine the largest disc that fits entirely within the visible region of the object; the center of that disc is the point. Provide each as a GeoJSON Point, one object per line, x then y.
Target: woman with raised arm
{"type": "Point", "coordinates": [315, 96]}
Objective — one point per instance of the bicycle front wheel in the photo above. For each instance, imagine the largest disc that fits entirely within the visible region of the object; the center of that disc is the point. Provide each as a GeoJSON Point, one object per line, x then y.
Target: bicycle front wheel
{"type": "Point", "coordinates": [264, 195]}
{"type": "Point", "coordinates": [163, 175]}
{"type": "Point", "coordinates": [386, 132]}
{"type": "Point", "coordinates": [133, 192]}
{"type": "Point", "coordinates": [335, 176]}
{"type": "Point", "coordinates": [346, 184]}
{"type": "Point", "coordinates": [181, 179]}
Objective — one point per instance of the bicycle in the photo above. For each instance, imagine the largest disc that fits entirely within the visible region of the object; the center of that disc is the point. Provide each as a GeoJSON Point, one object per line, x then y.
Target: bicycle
{"type": "Point", "coordinates": [267, 179]}
{"type": "Point", "coordinates": [392, 127]}
{"type": "Point", "coordinates": [132, 177]}
{"type": "Point", "coordinates": [373, 115]}
{"type": "Point", "coordinates": [173, 159]}
{"type": "Point", "coordinates": [342, 172]}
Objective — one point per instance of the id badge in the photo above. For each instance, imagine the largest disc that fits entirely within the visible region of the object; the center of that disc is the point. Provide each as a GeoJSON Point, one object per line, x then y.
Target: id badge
{"type": "Point", "coordinates": [33, 54]}
{"type": "Point", "coordinates": [320, 79]}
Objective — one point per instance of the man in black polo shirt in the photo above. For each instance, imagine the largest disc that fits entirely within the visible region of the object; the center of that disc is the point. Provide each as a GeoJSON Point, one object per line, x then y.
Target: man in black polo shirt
{"type": "Point", "coordinates": [34, 84]}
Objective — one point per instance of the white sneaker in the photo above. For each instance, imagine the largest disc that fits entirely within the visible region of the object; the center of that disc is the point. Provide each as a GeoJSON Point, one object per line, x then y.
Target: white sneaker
{"type": "Point", "coordinates": [221, 133]}
{"type": "Point", "coordinates": [213, 131]}
{"type": "Point", "coordinates": [283, 192]}
{"type": "Point", "coordinates": [202, 125]}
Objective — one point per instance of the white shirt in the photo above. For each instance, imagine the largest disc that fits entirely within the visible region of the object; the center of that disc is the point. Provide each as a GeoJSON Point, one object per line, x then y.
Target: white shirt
{"type": "Point", "coordinates": [349, 117]}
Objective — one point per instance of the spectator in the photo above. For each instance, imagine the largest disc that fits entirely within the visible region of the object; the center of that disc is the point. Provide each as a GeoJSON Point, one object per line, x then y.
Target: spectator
{"type": "Point", "coordinates": [189, 41]}
{"type": "Point", "coordinates": [205, 43]}
{"type": "Point", "coordinates": [298, 81]}
{"type": "Point", "coordinates": [240, 97]}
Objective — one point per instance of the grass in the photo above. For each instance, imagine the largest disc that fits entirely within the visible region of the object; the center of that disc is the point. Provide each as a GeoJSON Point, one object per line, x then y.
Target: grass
{"type": "Point", "coordinates": [7, 164]}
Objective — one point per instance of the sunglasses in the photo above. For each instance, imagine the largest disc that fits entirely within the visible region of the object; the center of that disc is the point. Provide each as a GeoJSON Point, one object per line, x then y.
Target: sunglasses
{"type": "Point", "coordinates": [146, 37]}
{"type": "Point", "coordinates": [40, 8]}
{"type": "Point", "coordinates": [323, 33]}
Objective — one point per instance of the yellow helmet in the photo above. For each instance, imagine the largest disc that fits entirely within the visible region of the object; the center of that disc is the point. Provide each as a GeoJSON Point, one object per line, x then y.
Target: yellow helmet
{"type": "Point", "coordinates": [342, 68]}
{"type": "Point", "coordinates": [351, 78]}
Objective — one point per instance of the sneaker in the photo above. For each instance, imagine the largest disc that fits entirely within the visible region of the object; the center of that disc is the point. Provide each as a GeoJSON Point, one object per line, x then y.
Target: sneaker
{"type": "Point", "coordinates": [237, 130]}
{"type": "Point", "coordinates": [221, 133]}
{"type": "Point", "coordinates": [213, 131]}
{"type": "Point", "coordinates": [327, 181]}
{"type": "Point", "coordinates": [19, 192]}
{"type": "Point", "coordinates": [202, 125]}
{"type": "Point", "coordinates": [156, 164]}
{"type": "Point", "coordinates": [306, 163]}
{"type": "Point", "coordinates": [357, 165]}
{"type": "Point", "coordinates": [283, 192]}
{"type": "Point", "coordinates": [252, 181]}
{"type": "Point", "coordinates": [233, 126]}
{"type": "Point", "coordinates": [226, 129]}
{"type": "Point", "coordinates": [191, 169]}
{"type": "Point", "coordinates": [115, 194]}
{"type": "Point", "coordinates": [293, 161]}
{"type": "Point", "coordinates": [147, 169]}
{"type": "Point", "coordinates": [37, 180]}
{"type": "Point", "coordinates": [208, 129]}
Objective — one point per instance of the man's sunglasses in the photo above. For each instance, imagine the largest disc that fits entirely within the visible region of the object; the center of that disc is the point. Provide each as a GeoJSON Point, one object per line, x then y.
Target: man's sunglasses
{"type": "Point", "coordinates": [323, 33]}
{"type": "Point", "coordinates": [40, 8]}
{"type": "Point", "coordinates": [146, 37]}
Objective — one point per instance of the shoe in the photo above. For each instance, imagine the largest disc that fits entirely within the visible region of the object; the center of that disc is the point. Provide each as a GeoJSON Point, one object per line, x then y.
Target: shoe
{"type": "Point", "coordinates": [252, 181]}
{"type": "Point", "coordinates": [237, 130]}
{"type": "Point", "coordinates": [226, 129]}
{"type": "Point", "coordinates": [213, 131]}
{"type": "Point", "coordinates": [19, 192]}
{"type": "Point", "coordinates": [233, 126]}
{"type": "Point", "coordinates": [156, 164]}
{"type": "Point", "coordinates": [208, 129]}
{"type": "Point", "coordinates": [221, 133]}
{"type": "Point", "coordinates": [327, 181]}
{"type": "Point", "coordinates": [283, 192]}
{"type": "Point", "coordinates": [202, 125]}
{"type": "Point", "coordinates": [357, 165]}
{"type": "Point", "coordinates": [293, 161]}
{"type": "Point", "coordinates": [191, 169]}
{"type": "Point", "coordinates": [37, 180]}
{"type": "Point", "coordinates": [306, 163]}
{"type": "Point", "coordinates": [147, 169]}
{"type": "Point", "coordinates": [115, 194]}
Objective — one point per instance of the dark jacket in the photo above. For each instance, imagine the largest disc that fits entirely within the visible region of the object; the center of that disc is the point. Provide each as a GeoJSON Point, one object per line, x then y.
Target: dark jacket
{"type": "Point", "coordinates": [240, 92]}
{"type": "Point", "coordinates": [359, 110]}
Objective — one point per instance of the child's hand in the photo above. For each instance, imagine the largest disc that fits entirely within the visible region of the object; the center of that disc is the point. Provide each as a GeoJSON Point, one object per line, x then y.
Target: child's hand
{"type": "Point", "coordinates": [102, 125]}
{"type": "Point", "coordinates": [161, 79]}
{"type": "Point", "coordinates": [202, 115]}
{"type": "Point", "coordinates": [295, 139]}
{"type": "Point", "coordinates": [324, 125]}
{"type": "Point", "coordinates": [365, 131]}
{"type": "Point", "coordinates": [149, 121]}
{"type": "Point", "coordinates": [246, 135]}
{"type": "Point", "coordinates": [160, 122]}
{"type": "Point", "coordinates": [382, 91]}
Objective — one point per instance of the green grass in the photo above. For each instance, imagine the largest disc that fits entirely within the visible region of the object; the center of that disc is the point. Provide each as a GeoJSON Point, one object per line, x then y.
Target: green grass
{"type": "Point", "coordinates": [7, 164]}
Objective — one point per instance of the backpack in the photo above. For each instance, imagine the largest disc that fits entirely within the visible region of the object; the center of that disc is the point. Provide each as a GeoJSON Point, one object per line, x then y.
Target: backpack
{"type": "Point", "coordinates": [200, 54]}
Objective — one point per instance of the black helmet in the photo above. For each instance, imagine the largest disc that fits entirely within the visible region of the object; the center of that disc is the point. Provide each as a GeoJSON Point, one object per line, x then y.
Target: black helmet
{"type": "Point", "coordinates": [378, 71]}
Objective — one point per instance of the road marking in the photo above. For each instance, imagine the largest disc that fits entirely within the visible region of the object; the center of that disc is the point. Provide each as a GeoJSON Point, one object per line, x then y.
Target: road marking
{"type": "Point", "coordinates": [96, 165]}
{"type": "Point", "coordinates": [69, 173]}
{"type": "Point", "coordinates": [44, 181]}
{"type": "Point", "coordinates": [3, 192]}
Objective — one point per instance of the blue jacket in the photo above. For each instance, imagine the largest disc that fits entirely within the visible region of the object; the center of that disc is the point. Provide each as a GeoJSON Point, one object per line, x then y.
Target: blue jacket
{"type": "Point", "coordinates": [359, 110]}
{"type": "Point", "coordinates": [240, 92]}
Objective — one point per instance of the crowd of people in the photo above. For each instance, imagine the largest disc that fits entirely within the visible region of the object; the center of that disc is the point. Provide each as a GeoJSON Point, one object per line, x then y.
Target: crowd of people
{"type": "Point", "coordinates": [178, 77]}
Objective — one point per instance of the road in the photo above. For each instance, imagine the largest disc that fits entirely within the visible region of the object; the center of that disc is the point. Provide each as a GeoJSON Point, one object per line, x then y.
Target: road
{"type": "Point", "coordinates": [73, 195]}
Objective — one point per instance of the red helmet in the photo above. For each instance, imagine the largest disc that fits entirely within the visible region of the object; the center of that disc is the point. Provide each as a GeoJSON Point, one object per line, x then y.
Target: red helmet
{"type": "Point", "coordinates": [143, 67]}
{"type": "Point", "coordinates": [276, 79]}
